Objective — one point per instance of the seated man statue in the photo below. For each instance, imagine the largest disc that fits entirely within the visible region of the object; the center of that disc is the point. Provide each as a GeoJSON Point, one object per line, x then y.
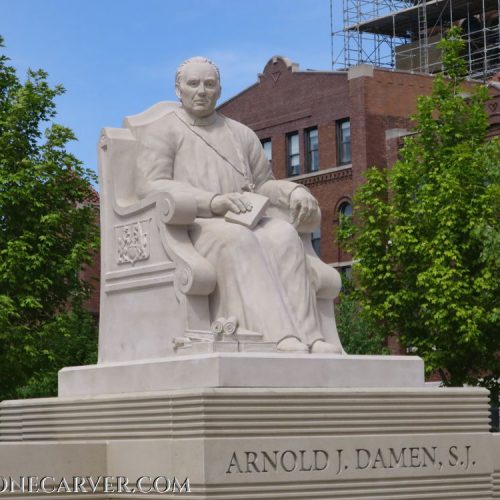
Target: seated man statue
{"type": "Point", "coordinates": [262, 273]}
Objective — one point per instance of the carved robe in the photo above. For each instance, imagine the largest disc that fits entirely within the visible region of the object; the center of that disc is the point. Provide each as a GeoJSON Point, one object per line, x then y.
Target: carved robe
{"type": "Point", "coordinates": [262, 274]}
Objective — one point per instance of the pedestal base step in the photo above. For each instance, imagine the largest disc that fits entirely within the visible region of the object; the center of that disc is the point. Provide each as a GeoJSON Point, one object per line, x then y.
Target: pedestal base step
{"type": "Point", "coordinates": [242, 369]}
{"type": "Point", "coordinates": [270, 444]}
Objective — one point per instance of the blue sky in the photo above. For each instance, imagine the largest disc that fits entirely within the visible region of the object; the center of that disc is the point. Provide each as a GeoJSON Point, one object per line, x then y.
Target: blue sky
{"type": "Point", "coordinates": [118, 57]}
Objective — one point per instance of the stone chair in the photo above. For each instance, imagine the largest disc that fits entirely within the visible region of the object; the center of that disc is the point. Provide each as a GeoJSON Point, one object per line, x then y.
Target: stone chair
{"type": "Point", "coordinates": [155, 287]}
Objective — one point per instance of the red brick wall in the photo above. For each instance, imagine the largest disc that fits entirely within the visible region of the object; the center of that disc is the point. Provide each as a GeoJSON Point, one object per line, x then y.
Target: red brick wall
{"type": "Point", "coordinates": [377, 104]}
{"type": "Point", "coordinates": [91, 275]}
{"type": "Point", "coordinates": [327, 133]}
{"type": "Point", "coordinates": [286, 100]}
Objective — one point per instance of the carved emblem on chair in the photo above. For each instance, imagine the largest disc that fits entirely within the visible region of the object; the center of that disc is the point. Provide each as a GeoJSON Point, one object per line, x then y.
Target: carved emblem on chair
{"type": "Point", "coordinates": [132, 242]}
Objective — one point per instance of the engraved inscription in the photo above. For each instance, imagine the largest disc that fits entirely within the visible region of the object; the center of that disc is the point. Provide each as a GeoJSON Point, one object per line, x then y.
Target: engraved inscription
{"type": "Point", "coordinates": [276, 460]}
{"type": "Point", "coordinates": [416, 457]}
{"type": "Point", "coordinates": [340, 460]}
{"type": "Point", "coordinates": [132, 242]}
{"type": "Point", "coordinates": [391, 458]}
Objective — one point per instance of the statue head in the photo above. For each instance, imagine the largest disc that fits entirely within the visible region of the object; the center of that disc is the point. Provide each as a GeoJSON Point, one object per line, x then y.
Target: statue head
{"type": "Point", "coordinates": [197, 85]}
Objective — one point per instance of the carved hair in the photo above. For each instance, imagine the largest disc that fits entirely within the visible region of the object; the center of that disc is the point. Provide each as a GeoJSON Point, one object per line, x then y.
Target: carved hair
{"type": "Point", "coordinates": [196, 59]}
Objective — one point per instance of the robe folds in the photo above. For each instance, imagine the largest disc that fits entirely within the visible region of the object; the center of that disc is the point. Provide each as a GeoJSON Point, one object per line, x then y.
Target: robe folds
{"type": "Point", "coordinates": [263, 276]}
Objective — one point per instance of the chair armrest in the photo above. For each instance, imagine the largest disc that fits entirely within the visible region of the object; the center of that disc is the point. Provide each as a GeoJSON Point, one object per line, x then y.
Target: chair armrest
{"type": "Point", "coordinates": [178, 209]}
{"type": "Point", "coordinates": [175, 211]}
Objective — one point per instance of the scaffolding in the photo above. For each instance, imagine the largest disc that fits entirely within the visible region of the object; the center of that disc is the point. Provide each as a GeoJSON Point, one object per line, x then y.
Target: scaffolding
{"type": "Point", "coordinates": [403, 35]}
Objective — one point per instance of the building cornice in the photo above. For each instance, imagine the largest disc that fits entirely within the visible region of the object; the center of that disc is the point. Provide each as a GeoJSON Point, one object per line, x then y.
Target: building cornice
{"type": "Point", "coordinates": [328, 175]}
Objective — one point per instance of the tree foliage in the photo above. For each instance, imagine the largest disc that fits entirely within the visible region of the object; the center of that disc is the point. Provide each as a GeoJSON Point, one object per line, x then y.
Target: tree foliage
{"type": "Point", "coordinates": [47, 231]}
{"type": "Point", "coordinates": [357, 331]}
{"type": "Point", "coordinates": [426, 234]}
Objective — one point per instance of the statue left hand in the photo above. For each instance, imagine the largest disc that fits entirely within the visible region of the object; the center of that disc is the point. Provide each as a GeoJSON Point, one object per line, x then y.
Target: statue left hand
{"type": "Point", "coordinates": [303, 206]}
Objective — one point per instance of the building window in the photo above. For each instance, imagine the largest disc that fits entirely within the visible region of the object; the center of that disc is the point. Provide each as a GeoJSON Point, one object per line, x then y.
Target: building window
{"type": "Point", "coordinates": [316, 240]}
{"type": "Point", "coordinates": [345, 209]}
{"type": "Point", "coordinates": [344, 141]}
{"type": "Point", "coordinates": [268, 148]}
{"type": "Point", "coordinates": [312, 148]}
{"type": "Point", "coordinates": [293, 156]}
{"type": "Point", "coordinates": [345, 212]}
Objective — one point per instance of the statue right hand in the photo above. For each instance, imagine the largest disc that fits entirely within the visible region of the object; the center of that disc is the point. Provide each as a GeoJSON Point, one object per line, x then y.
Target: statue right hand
{"type": "Point", "coordinates": [234, 202]}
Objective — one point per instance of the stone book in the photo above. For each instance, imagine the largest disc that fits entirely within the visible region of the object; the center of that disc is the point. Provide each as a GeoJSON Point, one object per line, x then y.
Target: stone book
{"type": "Point", "coordinates": [250, 219]}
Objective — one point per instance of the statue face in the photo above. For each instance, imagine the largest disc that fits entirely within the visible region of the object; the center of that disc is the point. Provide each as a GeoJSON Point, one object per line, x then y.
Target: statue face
{"type": "Point", "coordinates": [198, 89]}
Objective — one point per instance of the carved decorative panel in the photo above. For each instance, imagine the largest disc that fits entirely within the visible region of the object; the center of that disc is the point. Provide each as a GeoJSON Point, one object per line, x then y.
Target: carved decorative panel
{"type": "Point", "coordinates": [132, 242]}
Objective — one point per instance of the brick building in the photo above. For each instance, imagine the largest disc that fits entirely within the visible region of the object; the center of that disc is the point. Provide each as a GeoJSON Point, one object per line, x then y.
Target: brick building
{"type": "Point", "coordinates": [324, 129]}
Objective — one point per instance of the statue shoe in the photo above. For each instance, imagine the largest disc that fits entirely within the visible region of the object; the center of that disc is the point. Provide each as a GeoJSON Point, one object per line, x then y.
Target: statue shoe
{"type": "Point", "coordinates": [322, 347]}
{"type": "Point", "coordinates": [291, 344]}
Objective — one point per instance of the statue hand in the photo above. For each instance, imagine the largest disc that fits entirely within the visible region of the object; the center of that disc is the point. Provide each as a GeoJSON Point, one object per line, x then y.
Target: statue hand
{"type": "Point", "coordinates": [303, 205]}
{"type": "Point", "coordinates": [234, 202]}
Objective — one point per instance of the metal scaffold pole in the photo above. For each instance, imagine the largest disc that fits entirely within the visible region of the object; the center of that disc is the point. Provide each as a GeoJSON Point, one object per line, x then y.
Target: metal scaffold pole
{"type": "Point", "coordinates": [404, 34]}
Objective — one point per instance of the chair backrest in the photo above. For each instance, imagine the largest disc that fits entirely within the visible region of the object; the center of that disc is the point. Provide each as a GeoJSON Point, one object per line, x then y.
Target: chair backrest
{"type": "Point", "coordinates": [150, 115]}
{"type": "Point", "coordinates": [140, 312]}
{"type": "Point", "coordinates": [122, 165]}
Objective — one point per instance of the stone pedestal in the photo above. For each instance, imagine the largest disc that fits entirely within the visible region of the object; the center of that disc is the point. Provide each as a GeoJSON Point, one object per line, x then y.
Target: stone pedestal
{"type": "Point", "coordinates": [279, 442]}
{"type": "Point", "coordinates": [244, 369]}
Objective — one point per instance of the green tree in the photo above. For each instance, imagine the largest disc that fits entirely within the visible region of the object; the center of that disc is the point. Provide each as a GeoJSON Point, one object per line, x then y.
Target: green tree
{"type": "Point", "coordinates": [357, 331]}
{"type": "Point", "coordinates": [47, 232]}
{"type": "Point", "coordinates": [426, 234]}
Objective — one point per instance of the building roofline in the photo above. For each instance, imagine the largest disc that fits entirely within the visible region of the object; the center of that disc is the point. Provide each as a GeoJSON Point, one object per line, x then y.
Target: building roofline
{"type": "Point", "coordinates": [238, 94]}
{"type": "Point", "coordinates": [293, 67]}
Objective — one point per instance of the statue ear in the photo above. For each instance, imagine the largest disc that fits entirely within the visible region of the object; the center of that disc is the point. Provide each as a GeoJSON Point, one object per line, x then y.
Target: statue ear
{"type": "Point", "coordinates": [178, 92]}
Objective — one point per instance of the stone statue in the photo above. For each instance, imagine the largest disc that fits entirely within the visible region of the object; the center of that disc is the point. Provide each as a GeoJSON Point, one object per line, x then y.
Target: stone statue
{"type": "Point", "coordinates": [264, 281]}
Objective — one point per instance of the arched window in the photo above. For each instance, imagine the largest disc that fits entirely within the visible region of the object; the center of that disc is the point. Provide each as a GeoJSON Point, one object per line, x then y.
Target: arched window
{"type": "Point", "coordinates": [345, 209]}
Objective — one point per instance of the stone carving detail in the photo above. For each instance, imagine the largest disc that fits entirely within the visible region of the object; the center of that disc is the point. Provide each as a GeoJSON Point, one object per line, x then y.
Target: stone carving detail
{"type": "Point", "coordinates": [230, 325]}
{"type": "Point", "coordinates": [226, 326]}
{"type": "Point", "coordinates": [183, 278]}
{"type": "Point", "coordinates": [132, 242]}
{"type": "Point", "coordinates": [186, 167]}
{"type": "Point", "coordinates": [217, 326]}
